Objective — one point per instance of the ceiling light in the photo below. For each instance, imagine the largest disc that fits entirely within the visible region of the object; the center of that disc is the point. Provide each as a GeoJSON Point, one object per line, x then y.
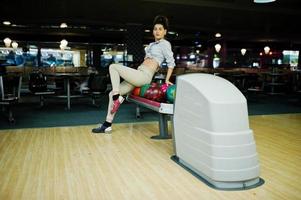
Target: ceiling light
{"type": "Point", "coordinates": [264, 1]}
{"type": "Point", "coordinates": [15, 45]}
{"type": "Point", "coordinates": [7, 42]}
{"type": "Point", "coordinates": [217, 47]}
{"type": "Point", "coordinates": [266, 49]}
{"type": "Point", "coordinates": [171, 32]}
{"type": "Point", "coordinates": [243, 51]}
{"type": "Point", "coordinates": [63, 25]}
{"type": "Point", "coordinates": [62, 47]}
{"type": "Point", "coordinates": [64, 43]}
{"type": "Point", "coordinates": [147, 30]}
{"type": "Point", "coordinates": [6, 23]}
{"type": "Point", "coordinates": [218, 35]}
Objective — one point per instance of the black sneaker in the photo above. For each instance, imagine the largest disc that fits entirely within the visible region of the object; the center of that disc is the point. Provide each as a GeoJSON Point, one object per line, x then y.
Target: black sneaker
{"type": "Point", "coordinates": [102, 129]}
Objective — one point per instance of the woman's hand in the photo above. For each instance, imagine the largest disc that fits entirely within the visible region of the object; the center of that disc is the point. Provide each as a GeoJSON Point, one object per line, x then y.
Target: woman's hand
{"type": "Point", "coordinates": [168, 82]}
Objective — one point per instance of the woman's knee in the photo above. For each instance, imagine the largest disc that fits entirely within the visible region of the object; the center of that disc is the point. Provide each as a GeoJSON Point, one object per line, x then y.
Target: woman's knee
{"type": "Point", "coordinates": [125, 88]}
{"type": "Point", "coordinates": [113, 66]}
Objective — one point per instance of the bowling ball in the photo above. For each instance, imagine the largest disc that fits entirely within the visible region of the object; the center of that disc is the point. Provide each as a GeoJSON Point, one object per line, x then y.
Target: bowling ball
{"type": "Point", "coordinates": [136, 91]}
{"type": "Point", "coordinates": [154, 84]}
{"type": "Point", "coordinates": [155, 94]}
{"type": "Point", "coordinates": [171, 93]}
{"type": "Point", "coordinates": [158, 95]}
{"type": "Point", "coordinates": [147, 87]}
{"type": "Point", "coordinates": [143, 89]}
{"type": "Point", "coordinates": [164, 87]}
{"type": "Point", "coordinates": [148, 93]}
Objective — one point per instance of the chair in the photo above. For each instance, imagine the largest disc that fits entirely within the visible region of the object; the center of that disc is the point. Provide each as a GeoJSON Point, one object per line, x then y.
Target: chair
{"type": "Point", "coordinates": [38, 86]}
{"type": "Point", "coordinates": [10, 87]}
{"type": "Point", "coordinates": [97, 87]}
{"type": "Point", "coordinates": [255, 84]}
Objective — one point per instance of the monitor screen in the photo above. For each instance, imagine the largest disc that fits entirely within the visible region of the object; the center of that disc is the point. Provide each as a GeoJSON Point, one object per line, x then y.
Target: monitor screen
{"type": "Point", "coordinates": [290, 57]}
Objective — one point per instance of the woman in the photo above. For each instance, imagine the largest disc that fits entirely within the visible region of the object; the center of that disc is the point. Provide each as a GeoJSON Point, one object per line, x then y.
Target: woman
{"type": "Point", "coordinates": [156, 53]}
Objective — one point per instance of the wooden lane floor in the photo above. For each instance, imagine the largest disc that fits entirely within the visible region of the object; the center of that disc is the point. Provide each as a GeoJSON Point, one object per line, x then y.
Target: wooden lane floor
{"type": "Point", "coordinates": [72, 163]}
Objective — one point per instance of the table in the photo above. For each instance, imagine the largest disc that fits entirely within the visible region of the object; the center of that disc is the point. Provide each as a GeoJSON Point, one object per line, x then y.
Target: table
{"type": "Point", "coordinates": [66, 76]}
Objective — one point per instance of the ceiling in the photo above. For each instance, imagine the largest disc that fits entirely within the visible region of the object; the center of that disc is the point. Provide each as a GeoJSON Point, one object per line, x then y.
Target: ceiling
{"type": "Point", "coordinates": [241, 22]}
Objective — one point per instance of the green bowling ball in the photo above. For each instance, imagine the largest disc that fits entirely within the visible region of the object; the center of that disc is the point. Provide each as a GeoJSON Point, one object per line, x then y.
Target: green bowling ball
{"type": "Point", "coordinates": [171, 93]}
{"type": "Point", "coordinates": [144, 89]}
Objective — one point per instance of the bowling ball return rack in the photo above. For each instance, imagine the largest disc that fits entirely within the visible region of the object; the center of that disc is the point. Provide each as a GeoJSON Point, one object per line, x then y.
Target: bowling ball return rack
{"type": "Point", "coordinates": [165, 111]}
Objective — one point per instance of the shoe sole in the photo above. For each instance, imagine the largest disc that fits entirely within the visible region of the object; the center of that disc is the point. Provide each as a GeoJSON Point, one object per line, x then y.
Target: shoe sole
{"type": "Point", "coordinates": [106, 131]}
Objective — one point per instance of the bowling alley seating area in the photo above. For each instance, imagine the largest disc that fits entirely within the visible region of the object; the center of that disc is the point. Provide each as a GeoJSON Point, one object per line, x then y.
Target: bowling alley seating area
{"type": "Point", "coordinates": [258, 85]}
{"type": "Point", "coordinates": [270, 80]}
{"type": "Point", "coordinates": [37, 85]}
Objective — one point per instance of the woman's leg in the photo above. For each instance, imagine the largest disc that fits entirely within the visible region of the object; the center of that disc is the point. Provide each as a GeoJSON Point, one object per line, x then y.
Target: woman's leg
{"type": "Point", "coordinates": [124, 89]}
{"type": "Point", "coordinates": [130, 75]}
{"type": "Point", "coordinates": [132, 79]}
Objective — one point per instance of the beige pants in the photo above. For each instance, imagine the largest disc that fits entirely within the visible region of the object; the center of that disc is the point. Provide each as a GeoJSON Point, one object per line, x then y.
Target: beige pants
{"type": "Point", "coordinates": [132, 78]}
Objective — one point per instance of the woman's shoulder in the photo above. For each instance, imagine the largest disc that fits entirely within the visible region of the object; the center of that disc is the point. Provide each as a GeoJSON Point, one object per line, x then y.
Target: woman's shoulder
{"type": "Point", "coordinates": [165, 42]}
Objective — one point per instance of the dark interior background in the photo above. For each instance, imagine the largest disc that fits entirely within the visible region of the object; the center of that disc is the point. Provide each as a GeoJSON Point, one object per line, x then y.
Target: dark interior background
{"type": "Point", "coordinates": [241, 22]}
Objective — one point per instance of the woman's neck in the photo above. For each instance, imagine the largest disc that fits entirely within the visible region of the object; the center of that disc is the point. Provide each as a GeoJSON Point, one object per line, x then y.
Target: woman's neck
{"type": "Point", "coordinates": [158, 39]}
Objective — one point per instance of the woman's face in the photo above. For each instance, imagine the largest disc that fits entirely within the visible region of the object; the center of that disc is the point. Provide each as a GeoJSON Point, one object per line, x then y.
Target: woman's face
{"type": "Point", "coordinates": [159, 32]}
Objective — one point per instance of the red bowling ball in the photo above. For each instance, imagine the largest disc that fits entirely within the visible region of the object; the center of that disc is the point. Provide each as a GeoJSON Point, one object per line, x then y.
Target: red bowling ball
{"type": "Point", "coordinates": [136, 91]}
{"type": "Point", "coordinates": [154, 94]}
{"type": "Point", "coordinates": [164, 87]}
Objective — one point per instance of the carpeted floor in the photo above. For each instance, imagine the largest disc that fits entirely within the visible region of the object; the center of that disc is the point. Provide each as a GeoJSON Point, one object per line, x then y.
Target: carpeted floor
{"type": "Point", "coordinates": [274, 104]}
{"type": "Point", "coordinates": [28, 114]}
